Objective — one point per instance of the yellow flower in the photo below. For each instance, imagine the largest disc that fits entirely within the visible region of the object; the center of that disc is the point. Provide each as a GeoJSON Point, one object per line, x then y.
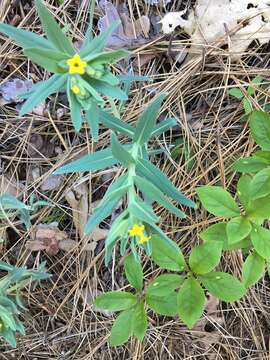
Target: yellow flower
{"type": "Point", "coordinates": [136, 230]}
{"type": "Point", "coordinates": [144, 239]}
{"type": "Point", "coordinates": [76, 65]}
{"type": "Point", "coordinates": [76, 89]}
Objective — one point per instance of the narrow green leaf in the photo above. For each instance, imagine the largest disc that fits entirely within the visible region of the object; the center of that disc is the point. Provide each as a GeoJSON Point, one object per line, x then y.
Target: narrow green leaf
{"type": "Point", "coordinates": [53, 31]}
{"type": "Point", "coordinates": [8, 201]}
{"type": "Point", "coordinates": [167, 254]}
{"type": "Point", "coordinates": [24, 38]}
{"type": "Point", "coordinates": [253, 269]}
{"type": "Point", "coordinates": [142, 211]}
{"type": "Point", "coordinates": [166, 305]}
{"type": "Point", "coordinates": [260, 184]}
{"type": "Point", "coordinates": [260, 238]}
{"type": "Point", "coordinates": [75, 110]}
{"type": "Point", "coordinates": [119, 152]}
{"type": "Point", "coordinates": [45, 89]}
{"type": "Point", "coordinates": [243, 189]}
{"type": "Point", "coordinates": [218, 201]}
{"type": "Point", "coordinates": [204, 258]}
{"type": "Point", "coordinates": [164, 126]}
{"type": "Point", "coordinates": [238, 229]}
{"type": "Point", "coordinates": [115, 300]}
{"type": "Point", "coordinates": [147, 170]}
{"type": "Point", "coordinates": [134, 272]}
{"type": "Point", "coordinates": [155, 194]}
{"type": "Point", "coordinates": [107, 57]}
{"type": "Point", "coordinates": [93, 119]}
{"type": "Point", "coordinates": [260, 128]}
{"type": "Point", "coordinates": [147, 121]}
{"type": "Point", "coordinates": [92, 162]}
{"type": "Point", "coordinates": [247, 105]}
{"type": "Point", "coordinates": [108, 90]}
{"type": "Point", "coordinates": [191, 302]}
{"type": "Point", "coordinates": [164, 285]}
{"type": "Point", "coordinates": [115, 124]}
{"type": "Point", "coordinates": [98, 43]}
{"type": "Point", "coordinates": [122, 328]}
{"type": "Point", "coordinates": [48, 59]}
{"type": "Point", "coordinates": [223, 286]}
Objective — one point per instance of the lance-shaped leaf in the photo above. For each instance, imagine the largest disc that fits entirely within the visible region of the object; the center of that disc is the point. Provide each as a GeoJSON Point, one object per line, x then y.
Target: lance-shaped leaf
{"type": "Point", "coordinates": [98, 43]}
{"type": "Point", "coordinates": [147, 121]}
{"type": "Point", "coordinates": [45, 89]}
{"type": "Point", "coordinates": [142, 211]}
{"type": "Point", "coordinates": [145, 169]}
{"type": "Point", "coordinates": [108, 57]}
{"type": "Point", "coordinates": [153, 193]}
{"type": "Point", "coordinates": [107, 89]}
{"type": "Point", "coordinates": [8, 201]}
{"type": "Point", "coordinates": [96, 161]}
{"type": "Point", "coordinates": [75, 109]}
{"type": "Point", "coordinates": [115, 124]}
{"type": "Point", "coordinates": [53, 31]}
{"type": "Point", "coordinates": [119, 152]}
{"type": "Point", "coordinates": [48, 59]}
{"type": "Point", "coordinates": [24, 38]}
{"type": "Point", "coordinates": [163, 126]}
{"type": "Point", "coordinates": [93, 119]}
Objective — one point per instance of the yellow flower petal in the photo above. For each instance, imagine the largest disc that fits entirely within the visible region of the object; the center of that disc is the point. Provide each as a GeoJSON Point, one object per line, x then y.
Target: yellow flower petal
{"type": "Point", "coordinates": [144, 239]}
{"type": "Point", "coordinates": [76, 65]}
{"type": "Point", "coordinates": [136, 230]}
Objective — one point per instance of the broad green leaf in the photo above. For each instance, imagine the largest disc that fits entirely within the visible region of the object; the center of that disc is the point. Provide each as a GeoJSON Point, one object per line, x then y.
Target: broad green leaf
{"type": "Point", "coordinates": [153, 193]}
{"type": "Point", "coordinates": [98, 43]}
{"type": "Point", "coordinates": [139, 321]}
{"type": "Point", "coordinates": [147, 121]}
{"type": "Point", "coordinates": [93, 119]}
{"type": "Point", "coordinates": [48, 59]}
{"type": "Point", "coordinates": [260, 238]}
{"type": "Point", "coordinates": [265, 155]}
{"type": "Point", "coordinates": [238, 229]}
{"type": "Point", "coordinates": [115, 300]}
{"type": "Point", "coordinates": [164, 284]}
{"type": "Point", "coordinates": [167, 254]}
{"type": "Point", "coordinates": [260, 128]}
{"type": "Point", "coordinates": [190, 302]}
{"type": "Point", "coordinates": [218, 201]}
{"type": "Point", "coordinates": [115, 124]}
{"type": "Point", "coordinates": [8, 201]}
{"type": "Point", "coordinates": [107, 57]}
{"type": "Point", "coordinates": [147, 170]}
{"type": "Point", "coordinates": [236, 92]}
{"type": "Point", "coordinates": [142, 211]}
{"type": "Point", "coordinates": [215, 232]}
{"type": "Point", "coordinates": [204, 258]}
{"type": "Point", "coordinates": [259, 208]}
{"type": "Point", "coordinates": [166, 305]}
{"type": "Point", "coordinates": [45, 89]}
{"type": "Point", "coordinates": [100, 213]}
{"type": "Point", "coordinates": [122, 328]}
{"type": "Point", "coordinates": [223, 286]}
{"type": "Point", "coordinates": [260, 184]}
{"type": "Point", "coordinates": [250, 165]}
{"type": "Point", "coordinates": [134, 272]}
{"type": "Point", "coordinates": [24, 38]}
{"type": "Point", "coordinates": [253, 269]}
{"type": "Point", "coordinates": [75, 110]}
{"type": "Point", "coordinates": [108, 90]}
{"type": "Point", "coordinates": [119, 152]}
{"type": "Point", "coordinates": [53, 31]}
{"type": "Point", "coordinates": [243, 189]}
{"type": "Point", "coordinates": [163, 126]}
{"type": "Point", "coordinates": [92, 162]}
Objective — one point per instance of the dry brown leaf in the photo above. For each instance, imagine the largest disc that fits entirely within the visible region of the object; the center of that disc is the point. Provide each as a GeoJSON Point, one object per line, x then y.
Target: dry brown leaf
{"type": "Point", "coordinates": [52, 182]}
{"type": "Point", "coordinates": [47, 237]}
{"type": "Point", "coordinates": [39, 146]}
{"type": "Point", "coordinates": [9, 186]}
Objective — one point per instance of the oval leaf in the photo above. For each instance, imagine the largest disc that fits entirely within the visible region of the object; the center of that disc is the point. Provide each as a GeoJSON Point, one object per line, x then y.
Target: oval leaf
{"type": "Point", "coordinates": [253, 269]}
{"type": "Point", "coordinates": [164, 284]}
{"type": "Point", "coordinates": [204, 258]}
{"type": "Point", "coordinates": [238, 229]}
{"type": "Point", "coordinates": [115, 300]}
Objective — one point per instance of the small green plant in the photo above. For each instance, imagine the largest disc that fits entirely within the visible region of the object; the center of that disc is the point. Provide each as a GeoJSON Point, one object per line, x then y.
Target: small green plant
{"type": "Point", "coordinates": [141, 182]}
{"type": "Point", "coordinates": [10, 206]}
{"type": "Point", "coordinates": [11, 304]}
{"type": "Point", "coordinates": [84, 75]}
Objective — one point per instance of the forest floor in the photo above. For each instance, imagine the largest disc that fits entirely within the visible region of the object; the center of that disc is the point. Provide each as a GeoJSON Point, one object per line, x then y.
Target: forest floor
{"type": "Point", "coordinates": [211, 133]}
